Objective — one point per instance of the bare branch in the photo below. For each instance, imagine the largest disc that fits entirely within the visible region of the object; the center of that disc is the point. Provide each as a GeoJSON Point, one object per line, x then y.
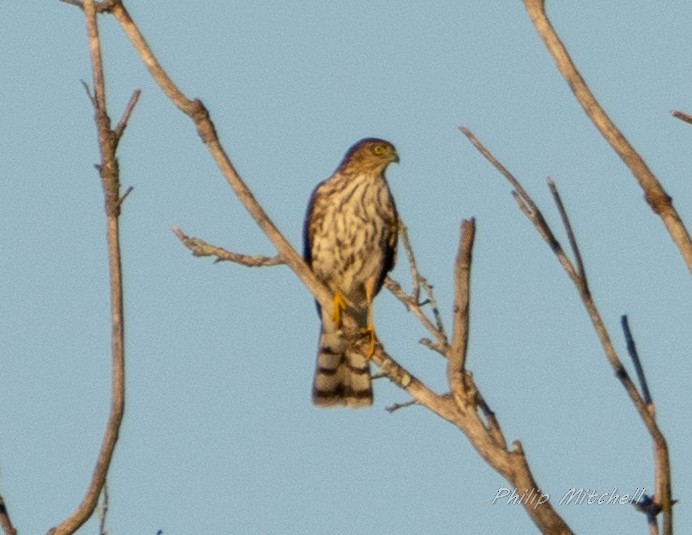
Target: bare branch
{"type": "Point", "coordinates": [201, 248]}
{"type": "Point", "coordinates": [655, 195]}
{"type": "Point", "coordinates": [207, 131]}
{"type": "Point", "coordinates": [496, 163]}
{"type": "Point", "coordinates": [415, 275]}
{"type": "Point", "coordinates": [412, 302]}
{"type": "Point", "coordinates": [529, 208]}
{"type": "Point", "coordinates": [396, 406]}
{"type": "Point", "coordinates": [101, 7]}
{"type": "Point", "coordinates": [682, 116]}
{"type": "Point", "coordinates": [413, 306]}
{"type": "Point", "coordinates": [127, 192]}
{"type": "Point", "coordinates": [523, 199]}
{"type": "Point", "coordinates": [662, 463]}
{"type": "Point", "coordinates": [430, 292]}
{"type": "Point", "coordinates": [634, 355]}
{"type": "Point", "coordinates": [568, 228]}
{"type": "Point", "coordinates": [122, 124]}
{"type": "Point", "coordinates": [651, 509]}
{"type": "Point", "coordinates": [103, 513]}
{"type": "Point", "coordinates": [111, 187]}
{"type": "Point", "coordinates": [5, 521]}
{"type": "Point", "coordinates": [493, 425]}
{"type": "Point", "coordinates": [456, 356]}
{"type": "Point", "coordinates": [432, 346]}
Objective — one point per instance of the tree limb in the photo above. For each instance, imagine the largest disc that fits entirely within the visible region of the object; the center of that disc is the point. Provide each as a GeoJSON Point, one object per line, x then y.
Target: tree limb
{"type": "Point", "coordinates": [662, 497]}
{"type": "Point", "coordinates": [196, 111]}
{"type": "Point", "coordinates": [657, 198]}
{"type": "Point", "coordinates": [109, 171]}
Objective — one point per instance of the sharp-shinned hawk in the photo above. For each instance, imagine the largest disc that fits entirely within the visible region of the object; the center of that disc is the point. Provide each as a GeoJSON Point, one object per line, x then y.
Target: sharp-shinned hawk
{"type": "Point", "coordinates": [350, 239]}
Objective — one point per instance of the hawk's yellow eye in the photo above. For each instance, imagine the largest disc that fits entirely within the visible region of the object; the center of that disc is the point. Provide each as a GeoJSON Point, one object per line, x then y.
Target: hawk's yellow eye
{"type": "Point", "coordinates": [378, 150]}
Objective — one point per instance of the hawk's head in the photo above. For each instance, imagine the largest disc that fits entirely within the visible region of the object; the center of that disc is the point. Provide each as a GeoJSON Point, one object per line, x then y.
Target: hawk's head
{"type": "Point", "coordinates": [369, 155]}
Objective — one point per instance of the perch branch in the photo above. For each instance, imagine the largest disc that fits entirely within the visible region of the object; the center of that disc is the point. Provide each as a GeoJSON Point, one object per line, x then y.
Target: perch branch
{"type": "Point", "coordinates": [657, 198]}
{"type": "Point", "coordinates": [511, 464]}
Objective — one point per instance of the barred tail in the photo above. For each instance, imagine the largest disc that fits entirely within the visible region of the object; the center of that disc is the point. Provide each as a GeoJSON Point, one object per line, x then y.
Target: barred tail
{"type": "Point", "coordinates": [342, 376]}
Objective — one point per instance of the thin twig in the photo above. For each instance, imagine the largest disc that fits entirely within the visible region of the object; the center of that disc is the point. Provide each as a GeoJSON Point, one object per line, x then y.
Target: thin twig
{"type": "Point", "coordinates": [682, 116]}
{"type": "Point", "coordinates": [496, 163]}
{"type": "Point", "coordinates": [129, 190]}
{"type": "Point", "coordinates": [103, 513]}
{"type": "Point", "coordinates": [570, 234]}
{"type": "Point", "coordinates": [456, 356]}
{"type": "Point", "coordinates": [122, 124]}
{"type": "Point", "coordinates": [5, 521]}
{"type": "Point", "coordinates": [415, 275]}
{"type": "Point", "coordinates": [441, 349]}
{"type": "Point", "coordinates": [199, 247]}
{"type": "Point", "coordinates": [489, 415]}
{"type": "Point", "coordinates": [634, 355]}
{"type": "Point", "coordinates": [657, 198]}
{"type": "Point", "coordinates": [413, 306]}
{"type": "Point", "coordinates": [651, 509]}
{"type": "Point", "coordinates": [396, 406]}
{"type": "Point", "coordinates": [528, 207]}
{"type": "Point", "coordinates": [412, 301]}
{"type": "Point", "coordinates": [111, 187]}
{"type": "Point", "coordinates": [94, 104]}
{"type": "Point", "coordinates": [432, 301]}
{"type": "Point", "coordinates": [523, 199]}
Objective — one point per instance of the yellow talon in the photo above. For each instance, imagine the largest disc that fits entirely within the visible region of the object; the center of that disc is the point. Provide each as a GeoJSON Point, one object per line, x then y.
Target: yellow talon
{"type": "Point", "coordinates": [338, 307]}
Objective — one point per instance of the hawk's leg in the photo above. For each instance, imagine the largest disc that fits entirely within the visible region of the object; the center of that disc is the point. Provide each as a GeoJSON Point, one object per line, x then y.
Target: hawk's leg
{"type": "Point", "coordinates": [338, 307]}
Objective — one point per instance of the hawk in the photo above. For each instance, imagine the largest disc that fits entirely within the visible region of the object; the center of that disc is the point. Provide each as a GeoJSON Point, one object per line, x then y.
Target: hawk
{"type": "Point", "coordinates": [350, 239]}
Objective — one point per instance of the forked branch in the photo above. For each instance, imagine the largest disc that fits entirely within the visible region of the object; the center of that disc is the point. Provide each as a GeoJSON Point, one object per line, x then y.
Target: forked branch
{"type": "Point", "coordinates": [662, 500]}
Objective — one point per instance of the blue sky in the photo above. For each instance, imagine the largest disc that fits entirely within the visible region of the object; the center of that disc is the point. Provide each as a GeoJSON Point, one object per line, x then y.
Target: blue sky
{"type": "Point", "coordinates": [219, 434]}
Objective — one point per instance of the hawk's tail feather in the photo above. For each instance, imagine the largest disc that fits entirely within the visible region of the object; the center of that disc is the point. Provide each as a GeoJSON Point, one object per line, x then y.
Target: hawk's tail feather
{"type": "Point", "coordinates": [342, 376]}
